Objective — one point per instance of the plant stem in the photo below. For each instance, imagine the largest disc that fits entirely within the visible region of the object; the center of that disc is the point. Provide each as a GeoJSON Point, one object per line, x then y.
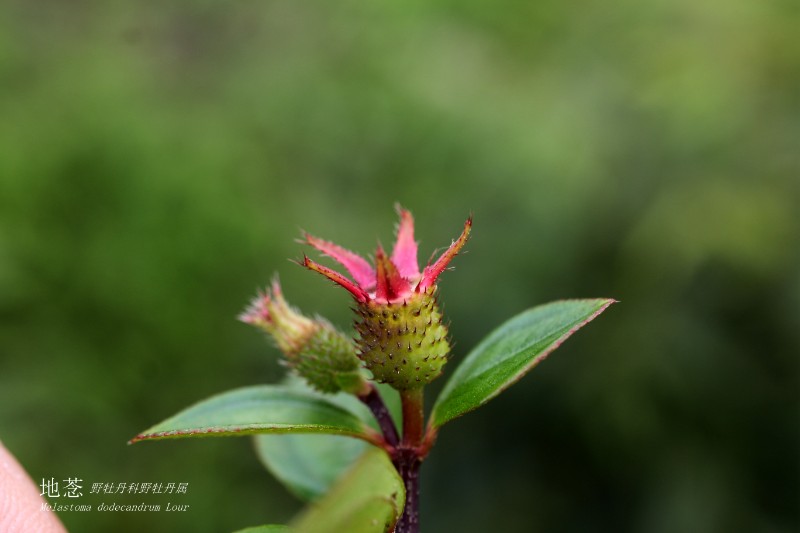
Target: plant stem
{"type": "Point", "coordinates": [407, 464]}
{"type": "Point", "coordinates": [413, 416]}
{"type": "Point", "coordinates": [375, 403]}
{"type": "Point", "coordinates": [408, 459]}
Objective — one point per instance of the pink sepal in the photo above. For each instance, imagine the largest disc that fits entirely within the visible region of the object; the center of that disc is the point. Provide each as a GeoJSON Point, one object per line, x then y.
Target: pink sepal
{"type": "Point", "coordinates": [404, 254]}
{"type": "Point", "coordinates": [357, 266]}
{"type": "Point", "coordinates": [359, 293]}
{"type": "Point", "coordinates": [432, 272]}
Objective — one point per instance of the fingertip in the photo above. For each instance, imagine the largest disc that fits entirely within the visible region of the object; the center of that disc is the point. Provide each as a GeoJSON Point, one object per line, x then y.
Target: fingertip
{"type": "Point", "coordinates": [22, 507]}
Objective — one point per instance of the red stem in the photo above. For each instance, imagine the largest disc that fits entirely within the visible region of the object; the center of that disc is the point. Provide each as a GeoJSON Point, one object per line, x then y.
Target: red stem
{"type": "Point", "coordinates": [413, 416]}
{"type": "Point", "coordinates": [375, 403]}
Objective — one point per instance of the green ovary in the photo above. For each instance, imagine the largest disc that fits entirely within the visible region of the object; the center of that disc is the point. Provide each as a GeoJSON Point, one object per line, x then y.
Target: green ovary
{"type": "Point", "coordinates": [405, 343]}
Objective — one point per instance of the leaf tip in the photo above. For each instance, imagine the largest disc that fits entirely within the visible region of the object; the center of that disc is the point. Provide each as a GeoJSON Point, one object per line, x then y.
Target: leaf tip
{"type": "Point", "coordinates": [607, 302]}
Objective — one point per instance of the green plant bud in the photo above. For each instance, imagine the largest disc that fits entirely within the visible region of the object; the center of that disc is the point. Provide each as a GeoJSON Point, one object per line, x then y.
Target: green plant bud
{"type": "Point", "coordinates": [327, 360]}
{"type": "Point", "coordinates": [313, 348]}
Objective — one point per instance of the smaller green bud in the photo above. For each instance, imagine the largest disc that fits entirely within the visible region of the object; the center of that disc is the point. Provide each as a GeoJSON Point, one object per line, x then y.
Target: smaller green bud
{"type": "Point", "coordinates": [313, 348]}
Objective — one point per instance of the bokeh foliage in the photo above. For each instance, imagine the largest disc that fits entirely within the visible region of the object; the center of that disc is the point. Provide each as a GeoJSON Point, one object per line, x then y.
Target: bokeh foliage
{"type": "Point", "coordinates": [157, 159]}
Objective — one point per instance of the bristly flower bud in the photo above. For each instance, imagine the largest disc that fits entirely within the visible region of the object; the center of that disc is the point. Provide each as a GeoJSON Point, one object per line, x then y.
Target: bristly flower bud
{"type": "Point", "coordinates": [401, 337]}
{"type": "Point", "coordinates": [316, 350]}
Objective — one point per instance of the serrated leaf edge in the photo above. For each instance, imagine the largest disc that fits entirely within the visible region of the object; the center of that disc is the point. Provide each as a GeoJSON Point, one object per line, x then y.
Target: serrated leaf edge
{"type": "Point", "coordinates": [535, 361]}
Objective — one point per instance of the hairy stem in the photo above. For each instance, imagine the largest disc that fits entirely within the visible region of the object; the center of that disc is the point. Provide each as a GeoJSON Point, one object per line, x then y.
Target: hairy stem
{"type": "Point", "coordinates": [407, 463]}
{"type": "Point", "coordinates": [408, 458]}
{"type": "Point", "coordinates": [375, 403]}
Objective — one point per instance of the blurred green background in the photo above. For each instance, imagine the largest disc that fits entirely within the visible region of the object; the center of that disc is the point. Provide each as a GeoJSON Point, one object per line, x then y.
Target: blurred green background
{"type": "Point", "coordinates": [158, 159]}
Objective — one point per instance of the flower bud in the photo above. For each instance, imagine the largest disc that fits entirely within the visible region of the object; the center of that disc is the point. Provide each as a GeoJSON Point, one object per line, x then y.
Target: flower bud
{"type": "Point", "coordinates": [313, 348]}
{"type": "Point", "coordinates": [401, 338]}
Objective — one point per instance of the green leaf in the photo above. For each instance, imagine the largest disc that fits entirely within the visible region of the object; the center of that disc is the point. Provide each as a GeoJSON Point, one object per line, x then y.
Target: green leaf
{"type": "Point", "coordinates": [369, 498]}
{"type": "Point", "coordinates": [309, 464]}
{"type": "Point", "coordinates": [509, 352]}
{"type": "Point", "coordinates": [262, 409]}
